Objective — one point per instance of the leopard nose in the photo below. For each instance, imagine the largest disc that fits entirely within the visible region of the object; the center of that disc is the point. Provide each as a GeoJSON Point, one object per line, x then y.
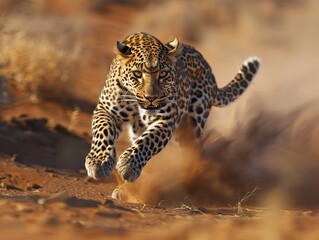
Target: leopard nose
{"type": "Point", "coordinates": [151, 98]}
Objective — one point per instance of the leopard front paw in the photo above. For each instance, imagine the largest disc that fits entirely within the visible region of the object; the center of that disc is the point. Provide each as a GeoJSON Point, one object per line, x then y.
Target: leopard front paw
{"type": "Point", "coordinates": [129, 165]}
{"type": "Point", "coordinates": [98, 169]}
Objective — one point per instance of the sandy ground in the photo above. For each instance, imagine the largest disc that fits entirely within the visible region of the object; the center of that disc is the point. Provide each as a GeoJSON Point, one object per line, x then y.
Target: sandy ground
{"type": "Point", "coordinates": [255, 176]}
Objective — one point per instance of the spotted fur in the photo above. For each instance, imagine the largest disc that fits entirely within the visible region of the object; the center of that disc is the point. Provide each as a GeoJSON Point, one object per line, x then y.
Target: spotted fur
{"type": "Point", "coordinates": [153, 88]}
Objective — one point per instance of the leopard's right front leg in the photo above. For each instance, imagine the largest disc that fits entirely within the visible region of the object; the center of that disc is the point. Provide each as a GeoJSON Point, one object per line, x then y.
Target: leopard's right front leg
{"type": "Point", "coordinates": [102, 157]}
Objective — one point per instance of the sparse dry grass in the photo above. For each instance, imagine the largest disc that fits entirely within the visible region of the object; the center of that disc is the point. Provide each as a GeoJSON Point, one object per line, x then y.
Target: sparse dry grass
{"type": "Point", "coordinates": [74, 119]}
{"type": "Point", "coordinates": [44, 54]}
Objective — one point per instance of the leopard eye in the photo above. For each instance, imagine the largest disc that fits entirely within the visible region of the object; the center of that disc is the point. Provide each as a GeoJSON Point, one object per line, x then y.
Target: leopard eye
{"type": "Point", "coordinates": [163, 74]}
{"type": "Point", "coordinates": [137, 74]}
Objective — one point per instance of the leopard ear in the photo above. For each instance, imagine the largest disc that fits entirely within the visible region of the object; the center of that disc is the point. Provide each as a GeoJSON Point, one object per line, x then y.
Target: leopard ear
{"type": "Point", "coordinates": [174, 48]}
{"type": "Point", "coordinates": [123, 50]}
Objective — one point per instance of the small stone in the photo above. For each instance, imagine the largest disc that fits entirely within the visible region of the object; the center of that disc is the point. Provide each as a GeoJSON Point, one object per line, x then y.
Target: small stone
{"type": "Point", "coordinates": [9, 187]}
{"type": "Point", "coordinates": [33, 186]}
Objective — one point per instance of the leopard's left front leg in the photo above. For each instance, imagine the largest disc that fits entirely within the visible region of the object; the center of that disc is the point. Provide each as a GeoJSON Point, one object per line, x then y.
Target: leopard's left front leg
{"type": "Point", "coordinates": [152, 141]}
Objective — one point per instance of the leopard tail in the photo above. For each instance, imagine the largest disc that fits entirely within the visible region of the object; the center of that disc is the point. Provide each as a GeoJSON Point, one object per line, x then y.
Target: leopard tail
{"type": "Point", "coordinates": [229, 93]}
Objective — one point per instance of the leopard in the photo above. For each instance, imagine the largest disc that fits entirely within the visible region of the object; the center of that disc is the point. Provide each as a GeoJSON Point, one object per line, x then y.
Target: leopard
{"type": "Point", "coordinates": [151, 89]}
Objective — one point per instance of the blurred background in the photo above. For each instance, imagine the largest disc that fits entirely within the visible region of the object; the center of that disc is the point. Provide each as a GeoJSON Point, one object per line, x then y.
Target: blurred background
{"type": "Point", "coordinates": [55, 54]}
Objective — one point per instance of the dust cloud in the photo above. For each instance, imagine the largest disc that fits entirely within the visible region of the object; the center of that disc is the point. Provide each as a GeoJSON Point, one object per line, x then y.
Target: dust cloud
{"type": "Point", "coordinates": [268, 139]}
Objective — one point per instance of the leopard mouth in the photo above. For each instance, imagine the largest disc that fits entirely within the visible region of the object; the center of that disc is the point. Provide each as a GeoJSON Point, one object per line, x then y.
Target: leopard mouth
{"type": "Point", "coordinates": [151, 106]}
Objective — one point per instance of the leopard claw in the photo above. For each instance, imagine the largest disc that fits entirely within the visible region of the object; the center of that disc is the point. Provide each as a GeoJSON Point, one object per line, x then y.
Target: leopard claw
{"type": "Point", "coordinates": [98, 169]}
{"type": "Point", "coordinates": [127, 168]}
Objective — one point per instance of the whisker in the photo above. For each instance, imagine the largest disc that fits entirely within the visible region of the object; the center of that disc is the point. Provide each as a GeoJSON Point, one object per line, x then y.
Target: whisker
{"type": "Point", "coordinates": [126, 96]}
{"type": "Point", "coordinates": [127, 100]}
{"type": "Point", "coordinates": [131, 104]}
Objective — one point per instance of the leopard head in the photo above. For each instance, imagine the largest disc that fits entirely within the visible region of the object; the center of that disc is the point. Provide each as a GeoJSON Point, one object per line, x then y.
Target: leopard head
{"type": "Point", "coordinates": [148, 68]}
